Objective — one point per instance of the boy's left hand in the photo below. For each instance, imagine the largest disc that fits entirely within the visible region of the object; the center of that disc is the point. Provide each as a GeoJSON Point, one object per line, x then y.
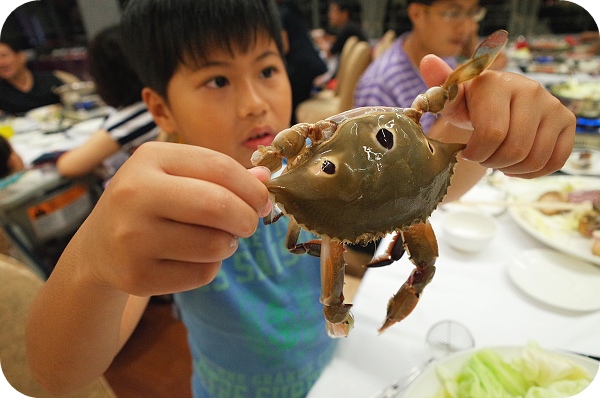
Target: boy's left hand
{"type": "Point", "coordinates": [518, 127]}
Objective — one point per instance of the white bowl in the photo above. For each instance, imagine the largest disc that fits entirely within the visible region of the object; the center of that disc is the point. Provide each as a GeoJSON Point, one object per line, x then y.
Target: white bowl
{"type": "Point", "coordinates": [468, 231]}
{"type": "Point", "coordinates": [428, 383]}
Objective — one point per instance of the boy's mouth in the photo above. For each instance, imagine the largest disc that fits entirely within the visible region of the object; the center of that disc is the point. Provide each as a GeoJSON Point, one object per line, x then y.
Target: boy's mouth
{"type": "Point", "coordinates": [259, 139]}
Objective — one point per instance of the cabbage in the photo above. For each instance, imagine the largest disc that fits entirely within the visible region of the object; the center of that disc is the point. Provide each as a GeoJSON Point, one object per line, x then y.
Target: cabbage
{"type": "Point", "coordinates": [536, 373]}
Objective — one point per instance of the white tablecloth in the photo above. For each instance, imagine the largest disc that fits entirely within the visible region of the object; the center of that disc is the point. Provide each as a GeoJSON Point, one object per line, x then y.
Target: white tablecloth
{"type": "Point", "coordinates": [30, 142]}
{"type": "Point", "coordinates": [474, 289]}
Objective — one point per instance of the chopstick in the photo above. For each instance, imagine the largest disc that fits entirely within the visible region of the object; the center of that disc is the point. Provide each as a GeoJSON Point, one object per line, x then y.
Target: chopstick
{"type": "Point", "coordinates": [535, 204]}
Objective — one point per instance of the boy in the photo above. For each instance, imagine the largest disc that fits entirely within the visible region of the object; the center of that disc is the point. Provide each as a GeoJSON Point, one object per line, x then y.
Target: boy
{"type": "Point", "coordinates": [173, 214]}
{"type": "Point", "coordinates": [393, 79]}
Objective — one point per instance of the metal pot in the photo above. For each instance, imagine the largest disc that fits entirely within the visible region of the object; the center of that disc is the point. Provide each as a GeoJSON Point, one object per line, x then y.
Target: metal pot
{"type": "Point", "coordinates": [582, 98]}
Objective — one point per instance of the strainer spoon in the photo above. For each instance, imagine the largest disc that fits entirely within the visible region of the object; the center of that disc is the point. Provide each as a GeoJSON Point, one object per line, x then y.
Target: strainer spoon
{"type": "Point", "coordinates": [443, 338]}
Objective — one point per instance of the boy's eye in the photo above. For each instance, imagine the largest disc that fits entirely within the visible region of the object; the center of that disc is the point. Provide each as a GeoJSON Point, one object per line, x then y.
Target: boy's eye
{"type": "Point", "coordinates": [268, 72]}
{"type": "Point", "coordinates": [218, 82]}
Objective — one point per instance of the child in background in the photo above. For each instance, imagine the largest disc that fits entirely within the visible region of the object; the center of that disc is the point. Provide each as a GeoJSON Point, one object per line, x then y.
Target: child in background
{"type": "Point", "coordinates": [184, 218]}
{"type": "Point", "coordinates": [127, 127]}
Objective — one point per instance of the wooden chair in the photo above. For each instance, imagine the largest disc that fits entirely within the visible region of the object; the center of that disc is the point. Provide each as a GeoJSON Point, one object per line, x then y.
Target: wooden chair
{"type": "Point", "coordinates": [384, 43]}
{"type": "Point", "coordinates": [352, 66]}
{"type": "Point", "coordinates": [18, 288]}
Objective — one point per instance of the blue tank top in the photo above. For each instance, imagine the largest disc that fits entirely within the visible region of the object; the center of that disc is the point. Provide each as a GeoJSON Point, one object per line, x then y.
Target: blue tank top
{"type": "Point", "coordinates": [257, 330]}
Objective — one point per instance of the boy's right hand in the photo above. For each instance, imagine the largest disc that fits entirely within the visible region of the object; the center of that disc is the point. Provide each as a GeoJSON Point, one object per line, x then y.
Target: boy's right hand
{"type": "Point", "coordinates": [167, 219]}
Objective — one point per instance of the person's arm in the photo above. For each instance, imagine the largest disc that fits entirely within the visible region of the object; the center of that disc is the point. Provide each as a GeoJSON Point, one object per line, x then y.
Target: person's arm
{"type": "Point", "coordinates": [169, 216]}
{"type": "Point", "coordinates": [517, 126]}
{"type": "Point", "coordinates": [87, 157]}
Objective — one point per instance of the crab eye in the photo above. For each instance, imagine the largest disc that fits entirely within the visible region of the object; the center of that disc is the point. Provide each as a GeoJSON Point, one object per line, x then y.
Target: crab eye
{"type": "Point", "coordinates": [328, 167]}
{"type": "Point", "coordinates": [385, 138]}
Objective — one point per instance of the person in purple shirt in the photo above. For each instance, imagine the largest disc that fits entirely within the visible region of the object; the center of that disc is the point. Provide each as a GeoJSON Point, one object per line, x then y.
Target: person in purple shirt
{"type": "Point", "coordinates": [440, 27]}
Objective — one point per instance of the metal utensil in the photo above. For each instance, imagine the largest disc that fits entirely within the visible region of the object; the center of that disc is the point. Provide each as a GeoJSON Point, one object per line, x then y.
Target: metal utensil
{"type": "Point", "coordinates": [443, 338]}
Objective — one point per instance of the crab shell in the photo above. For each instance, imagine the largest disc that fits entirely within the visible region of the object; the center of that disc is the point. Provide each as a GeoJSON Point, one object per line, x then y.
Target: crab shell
{"type": "Point", "coordinates": [376, 174]}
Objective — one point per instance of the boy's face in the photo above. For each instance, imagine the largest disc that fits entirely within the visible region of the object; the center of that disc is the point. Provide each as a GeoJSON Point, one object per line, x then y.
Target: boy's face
{"type": "Point", "coordinates": [454, 25]}
{"type": "Point", "coordinates": [230, 104]}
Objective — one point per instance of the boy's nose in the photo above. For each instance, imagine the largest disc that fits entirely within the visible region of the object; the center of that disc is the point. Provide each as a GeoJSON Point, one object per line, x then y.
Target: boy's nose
{"type": "Point", "coordinates": [252, 103]}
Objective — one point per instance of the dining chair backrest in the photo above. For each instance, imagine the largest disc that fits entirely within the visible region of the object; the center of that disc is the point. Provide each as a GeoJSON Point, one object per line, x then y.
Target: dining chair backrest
{"type": "Point", "coordinates": [343, 60]}
{"type": "Point", "coordinates": [384, 43]}
{"type": "Point", "coordinates": [357, 62]}
{"type": "Point", "coordinates": [18, 289]}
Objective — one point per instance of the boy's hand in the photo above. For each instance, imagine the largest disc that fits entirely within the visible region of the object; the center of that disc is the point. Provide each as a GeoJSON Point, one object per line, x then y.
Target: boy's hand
{"type": "Point", "coordinates": [518, 127]}
{"type": "Point", "coordinates": [168, 218]}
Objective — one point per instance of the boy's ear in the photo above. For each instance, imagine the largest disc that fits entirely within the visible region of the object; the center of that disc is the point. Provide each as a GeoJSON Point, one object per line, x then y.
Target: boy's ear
{"type": "Point", "coordinates": [160, 111]}
{"type": "Point", "coordinates": [415, 11]}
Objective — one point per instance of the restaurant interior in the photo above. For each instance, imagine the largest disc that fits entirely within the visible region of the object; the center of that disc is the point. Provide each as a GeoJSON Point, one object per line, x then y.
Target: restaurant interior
{"type": "Point", "coordinates": [511, 269]}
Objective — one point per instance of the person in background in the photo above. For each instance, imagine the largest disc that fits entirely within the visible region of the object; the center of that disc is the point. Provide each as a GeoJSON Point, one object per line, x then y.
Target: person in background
{"type": "Point", "coordinates": [127, 127]}
{"type": "Point", "coordinates": [394, 79]}
{"type": "Point", "coordinates": [22, 89]}
{"type": "Point", "coordinates": [344, 20]}
{"type": "Point", "coordinates": [10, 161]}
{"type": "Point", "coordinates": [303, 61]}
{"type": "Point", "coordinates": [183, 218]}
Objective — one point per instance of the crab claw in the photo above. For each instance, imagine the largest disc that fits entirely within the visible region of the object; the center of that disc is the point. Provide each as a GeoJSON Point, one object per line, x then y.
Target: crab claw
{"type": "Point", "coordinates": [421, 244]}
{"type": "Point", "coordinates": [338, 320]}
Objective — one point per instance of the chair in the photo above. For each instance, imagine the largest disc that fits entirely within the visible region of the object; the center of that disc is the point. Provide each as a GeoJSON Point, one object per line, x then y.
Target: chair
{"type": "Point", "coordinates": [348, 45]}
{"type": "Point", "coordinates": [352, 66]}
{"type": "Point", "coordinates": [18, 288]}
{"type": "Point", "coordinates": [384, 43]}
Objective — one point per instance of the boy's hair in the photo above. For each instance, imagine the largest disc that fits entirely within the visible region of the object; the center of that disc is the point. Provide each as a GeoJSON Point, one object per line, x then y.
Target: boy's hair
{"type": "Point", "coordinates": [116, 82]}
{"type": "Point", "coordinates": [163, 34]}
{"type": "Point", "coordinates": [426, 2]}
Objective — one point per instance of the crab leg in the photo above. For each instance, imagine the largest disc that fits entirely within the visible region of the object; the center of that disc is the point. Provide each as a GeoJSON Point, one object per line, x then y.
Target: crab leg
{"type": "Point", "coordinates": [312, 247]}
{"type": "Point", "coordinates": [391, 248]}
{"type": "Point", "coordinates": [434, 99]}
{"type": "Point", "coordinates": [421, 244]}
{"type": "Point", "coordinates": [339, 321]}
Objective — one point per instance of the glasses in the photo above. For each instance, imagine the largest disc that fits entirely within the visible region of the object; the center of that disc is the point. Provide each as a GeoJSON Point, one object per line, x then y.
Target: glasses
{"type": "Point", "coordinates": [456, 15]}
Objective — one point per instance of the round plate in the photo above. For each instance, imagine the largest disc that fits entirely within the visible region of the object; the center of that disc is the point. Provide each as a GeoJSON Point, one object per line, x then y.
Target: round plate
{"type": "Point", "coordinates": [428, 384]}
{"type": "Point", "coordinates": [557, 231]}
{"type": "Point", "coordinates": [570, 166]}
{"type": "Point", "coordinates": [557, 279]}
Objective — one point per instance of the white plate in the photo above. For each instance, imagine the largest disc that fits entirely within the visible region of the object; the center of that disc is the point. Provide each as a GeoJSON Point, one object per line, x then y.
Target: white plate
{"type": "Point", "coordinates": [571, 168]}
{"type": "Point", "coordinates": [429, 384]}
{"type": "Point", "coordinates": [557, 231]}
{"type": "Point", "coordinates": [557, 279]}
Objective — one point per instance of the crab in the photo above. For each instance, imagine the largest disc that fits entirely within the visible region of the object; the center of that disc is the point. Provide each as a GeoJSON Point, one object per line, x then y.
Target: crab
{"type": "Point", "coordinates": [368, 173]}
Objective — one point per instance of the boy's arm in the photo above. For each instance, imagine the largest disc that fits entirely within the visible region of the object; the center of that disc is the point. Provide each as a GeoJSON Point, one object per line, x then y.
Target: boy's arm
{"type": "Point", "coordinates": [518, 127]}
{"type": "Point", "coordinates": [164, 223]}
{"type": "Point", "coordinates": [87, 157]}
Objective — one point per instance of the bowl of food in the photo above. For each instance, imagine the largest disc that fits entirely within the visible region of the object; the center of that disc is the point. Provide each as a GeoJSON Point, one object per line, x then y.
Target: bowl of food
{"type": "Point", "coordinates": [505, 371]}
{"type": "Point", "coordinates": [582, 98]}
{"type": "Point", "coordinates": [468, 231]}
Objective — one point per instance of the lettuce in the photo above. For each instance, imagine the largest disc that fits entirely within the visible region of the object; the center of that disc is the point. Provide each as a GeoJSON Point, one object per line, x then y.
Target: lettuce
{"type": "Point", "coordinates": [536, 373]}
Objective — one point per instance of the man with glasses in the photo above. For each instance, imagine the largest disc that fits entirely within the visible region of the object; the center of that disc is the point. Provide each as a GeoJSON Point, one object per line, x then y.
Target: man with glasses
{"type": "Point", "coordinates": [446, 28]}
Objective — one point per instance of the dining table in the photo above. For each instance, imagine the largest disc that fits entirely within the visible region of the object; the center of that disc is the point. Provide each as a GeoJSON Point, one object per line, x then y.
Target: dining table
{"type": "Point", "coordinates": [32, 137]}
{"type": "Point", "coordinates": [472, 288]}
